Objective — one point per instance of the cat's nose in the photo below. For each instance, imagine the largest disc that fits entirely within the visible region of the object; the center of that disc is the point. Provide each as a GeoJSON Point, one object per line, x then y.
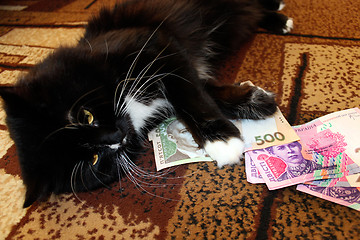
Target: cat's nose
{"type": "Point", "coordinates": [117, 146]}
{"type": "Point", "coordinates": [113, 138]}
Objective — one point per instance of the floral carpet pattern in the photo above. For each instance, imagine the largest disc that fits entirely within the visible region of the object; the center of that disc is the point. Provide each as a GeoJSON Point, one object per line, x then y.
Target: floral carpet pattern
{"type": "Point", "coordinates": [314, 70]}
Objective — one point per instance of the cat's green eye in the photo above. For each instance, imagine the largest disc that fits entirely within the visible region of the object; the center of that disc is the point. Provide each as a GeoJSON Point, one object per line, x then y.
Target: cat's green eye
{"type": "Point", "coordinates": [95, 159]}
{"type": "Point", "coordinates": [88, 116]}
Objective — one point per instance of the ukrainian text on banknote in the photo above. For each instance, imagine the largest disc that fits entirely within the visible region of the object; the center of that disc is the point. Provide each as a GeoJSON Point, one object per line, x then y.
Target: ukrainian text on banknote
{"type": "Point", "coordinates": [174, 145]}
{"type": "Point", "coordinates": [347, 196]}
{"type": "Point", "coordinates": [323, 152]}
{"type": "Point", "coordinates": [252, 173]}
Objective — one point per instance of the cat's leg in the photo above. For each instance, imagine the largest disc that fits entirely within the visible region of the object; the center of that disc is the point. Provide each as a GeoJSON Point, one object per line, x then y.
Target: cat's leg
{"type": "Point", "coordinates": [207, 124]}
{"type": "Point", "coordinates": [244, 100]}
{"type": "Point", "coordinates": [272, 5]}
{"type": "Point", "coordinates": [276, 22]}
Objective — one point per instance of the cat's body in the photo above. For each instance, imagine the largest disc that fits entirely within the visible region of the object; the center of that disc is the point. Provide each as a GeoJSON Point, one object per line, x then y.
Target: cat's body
{"type": "Point", "coordinates": [78, 116]}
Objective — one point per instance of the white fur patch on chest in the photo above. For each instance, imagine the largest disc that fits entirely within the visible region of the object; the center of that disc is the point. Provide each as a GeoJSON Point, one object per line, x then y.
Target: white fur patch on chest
{"type": "Point", "coordinates": [140, 113]}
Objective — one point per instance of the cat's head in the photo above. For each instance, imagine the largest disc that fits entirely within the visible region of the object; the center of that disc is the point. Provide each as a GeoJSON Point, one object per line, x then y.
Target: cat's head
{"type": "Point", "coordinates": [61, 117]}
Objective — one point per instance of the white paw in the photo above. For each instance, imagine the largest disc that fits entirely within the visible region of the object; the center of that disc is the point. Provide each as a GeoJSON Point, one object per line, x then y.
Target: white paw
{"type": "Point", "coordinates": [281, 6]}
{"type": "Point", "coordinates": [289, 26]}
{"type": "Point", "coordinates": [229, 152]}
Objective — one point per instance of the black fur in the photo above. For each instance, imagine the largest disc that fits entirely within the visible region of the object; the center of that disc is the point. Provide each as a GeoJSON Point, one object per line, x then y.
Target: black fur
{"type": "Point", "coordinates": [168, 51]}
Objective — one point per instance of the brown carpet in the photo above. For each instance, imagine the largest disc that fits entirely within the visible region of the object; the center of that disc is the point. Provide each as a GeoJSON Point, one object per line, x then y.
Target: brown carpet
{"type": "Point", "coordinates": [314, 70]}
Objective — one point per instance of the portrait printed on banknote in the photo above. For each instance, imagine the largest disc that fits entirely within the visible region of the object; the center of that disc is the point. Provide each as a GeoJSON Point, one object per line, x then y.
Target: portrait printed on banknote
{"type": "Point", "coordinates": [174, 145]}
{"type": "Point", "coordinates": [186, 147]}
{"type": "Point", "coordinates": [284, 165]}
{"type": "Point", "coordinates": [296, 164]}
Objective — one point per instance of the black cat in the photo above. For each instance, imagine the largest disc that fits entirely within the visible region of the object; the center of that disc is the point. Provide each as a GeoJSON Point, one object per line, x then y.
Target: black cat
{"type": "Point", "coordinates": [81, 115]}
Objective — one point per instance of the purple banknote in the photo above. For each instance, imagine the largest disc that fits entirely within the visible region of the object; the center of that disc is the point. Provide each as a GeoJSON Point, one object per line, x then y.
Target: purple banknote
{"type": "Point", "coordinates": [328, 148]}
{"type": "Point", "coordinates": [347, 196]}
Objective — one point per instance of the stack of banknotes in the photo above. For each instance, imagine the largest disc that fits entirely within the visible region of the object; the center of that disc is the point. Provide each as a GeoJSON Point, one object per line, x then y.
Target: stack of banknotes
{"type": "Point", "coordinates": [321, 157]}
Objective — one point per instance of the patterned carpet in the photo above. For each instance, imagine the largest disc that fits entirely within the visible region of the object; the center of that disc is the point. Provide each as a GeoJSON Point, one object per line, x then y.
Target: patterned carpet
{"type": "Point", "coordinates": [314, 70]}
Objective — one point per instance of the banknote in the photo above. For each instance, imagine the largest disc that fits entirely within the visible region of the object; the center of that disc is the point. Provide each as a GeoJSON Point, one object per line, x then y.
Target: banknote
{"type": "Point", "coordinates": [354, 180]}
{"type": "Point", "coordinates": [333, 139]}
{"type": "Point", "coordinates": [323, 152]}
{"type": "Point", "coordinates": [348, 179]}
{"type": "Point", "coordinates": [271, 131]}
{"type": "Point", "coordinates": [173, 143]}
{"type": "Point", "coordinates": [347, 196]}
{"type": "Point", "coordinates": [283, 165]}
{"type": "Point", "coordinates": [252, 173]}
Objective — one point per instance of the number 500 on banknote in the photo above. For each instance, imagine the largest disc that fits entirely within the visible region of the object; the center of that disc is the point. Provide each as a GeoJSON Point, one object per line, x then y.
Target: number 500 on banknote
{"type": "Point", "coordinates": [271, 131]}
{"type": "Point", "coordinates": [269, 138]}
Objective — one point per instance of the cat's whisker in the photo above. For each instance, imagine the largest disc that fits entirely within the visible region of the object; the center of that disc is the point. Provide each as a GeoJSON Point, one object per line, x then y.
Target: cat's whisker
{"type": "Point", "coordinates": [143, 72]}
{"type": "Point", "coordinates": [138, 185]}
{"type": "Point", "coordinates": [141, 171]}
{"type": "Point", "coordinates": [67, 127]}
{"type": "Point", "coordinates": [132, 67]}
{"type": "Point", "coordinates": [141, 182]}
{"type": "Point", "coordinates": [81, 175]}
{"type": "Point", "coordinates": [99, 172]}
{"type": "Point", "coordinates": [73, 180]}
{"type": "Point", "coordinates": [129, 170]}
{"type": "Point", "coordinates": [156, 174]}
{"type": "Point", "coordinates": [186, 80]}
{"type": "Point", "coordinates": [133, 86]}
{"type": "Point", "coordinates": [146, 69]}
{"type": "Point", "coordinates": [133, 64]}
{"type": "Point", "coordinates": [153, 76]}
{"type": "Point", "coordinates": [96, 177]}
{"type": "Point", "coordinates": [123, 86]}
{"type": "Point", "coordinates": [141, 90]}
{"type": "Point", "coordinates": [107, 50]}
{"type": "Point", "coordinates": [87, 41]}
{"type": "Point", "coordinates": [136, 176]}
{"type": "Point", "coordinates": [119, 172]}
{"type": "Point", "coordinates": [141, 75]}
{"type": "Point", "coordinates": [117, 102]}
{"type": "Point", "coordinates": [147, 175]}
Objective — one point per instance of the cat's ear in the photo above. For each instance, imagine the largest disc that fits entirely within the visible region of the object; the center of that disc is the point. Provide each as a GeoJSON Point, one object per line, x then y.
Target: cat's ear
{"type": "Point", "coordinates": [9, 94]}
{"type": "Point", "coordinates": [14, 99]}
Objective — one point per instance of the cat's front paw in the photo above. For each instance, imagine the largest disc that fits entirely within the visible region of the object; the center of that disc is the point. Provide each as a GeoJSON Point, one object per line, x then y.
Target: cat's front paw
{"type": "Point", "coordinates": [262, 97]}
{"type": "Point", "coordinates": [289, 25]}
{"type": "Point", "coordinates": [225, 152]}
{"type": "Point", "coordinates": [260, 105]}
